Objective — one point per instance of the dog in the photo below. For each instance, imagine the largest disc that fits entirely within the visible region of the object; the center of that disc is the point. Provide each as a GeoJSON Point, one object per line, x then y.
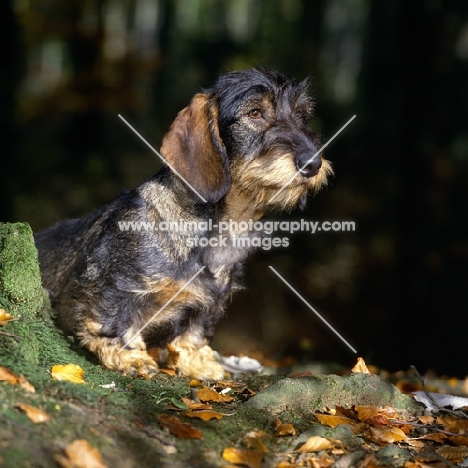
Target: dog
{"type": "Point", "coordinates": [241, 148]}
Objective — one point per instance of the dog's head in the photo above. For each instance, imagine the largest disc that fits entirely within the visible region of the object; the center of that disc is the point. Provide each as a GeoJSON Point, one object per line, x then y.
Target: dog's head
{"type": "Point", "coordinates": [249, 130]}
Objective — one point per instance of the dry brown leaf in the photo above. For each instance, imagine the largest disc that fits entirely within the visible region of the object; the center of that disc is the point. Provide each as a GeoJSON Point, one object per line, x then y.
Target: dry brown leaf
{"type": "Point", "coordinates": [427, 419]}
{"type": "Point", "coordinates": [204, 415]}
{"type": "Point", "coordinates": [194, 406]}
{"type": "Point", "coordinates": [315, 444]}
{"type": "Point", "coordinates": [254, 440]}
{"type": "Point", "coordinates": [6, 375]}
{"type": "Point", "coordinates": [195, 383]}
{"type": "Point", "coordinates": [208, 394]}
{"type": "Point", "coordinates": [366, 412]}
{"type": "Point", "coordinates": [418, 445]}
{"type": "Point", "coordinates": [25, 385]}
{"type": "Point", "coordinates": [387, 435]}
{"type": "Point", "coordinates": [453, 424]}
{"type": "Point", "coordinates": [5, 317]}
{"type": "Point", "coordinates": [252, 458]}
{"type": "Point", "coordinates": [179, 428]}
{"type": "Point", "coordinates": [332, 421]}
{"type": "Point", "coordinates": [378, 420]}
{"type": "Point", "coordinates": [284, 429]}
{"type": "Point", "coordinates": [438, 437]}
{"type": "Point", "coordinates": [79, 454]}
{"type": "Point", "coordinates": [170, 372]}
{"type": "Point", "coordinates": [372, 415]}
{"type": "Point", "coordinates": [71, 372]}
{"type": "Point", "coordinates": [34, 414]}
{"type": "Point", "coordinates": [459, 440]}
{"type": "Point", "coordinates": [360, 367]}
{"type": "Point", "coordinates": [454, 454]}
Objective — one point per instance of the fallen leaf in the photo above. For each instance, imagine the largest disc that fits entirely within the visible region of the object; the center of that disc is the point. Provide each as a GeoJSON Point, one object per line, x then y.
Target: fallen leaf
{"type": "Point", "coordinates": [177, 404]}
{"type": "Point", "coordinates": [435, 401]}
{"type": "Point", "coordinates": [194, 405]}
{"type": "Point", "coordinates": [25, 385]}
{"type": "Point", "coordinates": [284, 429]}
{"type": "Point", "coordinates": [366, 412]}
{"type": "Point", "coordinates": [454, 454]}
{"type": "Point", "coordinates": [208, 394]}
{"type": "Point", "coordinates": [252, 458]}
{"type": "Point", "coordinates": [438, 437]}
{"type": "Point", "coordinates": [34, 414]}
{"type": "Point", "coordinates": [332, 421]}
{"type": "Point", "coordinates": [6, 375]}
{"type": "Point", "coordinates": [387, 435]}
{"type": "Point", "coordinates": [372, 415]}
{"type": "Point", "coordinates": [79, 454]}
{"type": "Point", "coordinates": [315, 444]}
{"type": "Point", "coordinates": [459, 440]}
{"type": "Point", "coordinates": [179, 428]}
{"type": "Point", "coordinates": [5, 317]}
{"type": "Point", "coordinates": [170, 372]}
{"type": "Point", "coordinates": [427, 419]}
{"type": "Point", "coordinates": [204, 415]}
{"type": "Point", "coordinates": [453, 424]}
{"type": "Point", "coordinates": [360, 367]}
{"type": "Point", "coordinates": [195, 383]}
{"type": "Point", "coordinates": [71, 372]}
{"type": "Point", "coordinates": [254, 440]}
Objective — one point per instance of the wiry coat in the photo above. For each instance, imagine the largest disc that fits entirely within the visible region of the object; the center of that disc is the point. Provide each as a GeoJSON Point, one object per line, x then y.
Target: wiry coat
{"type": "Point", "coordinates": [118, 291]}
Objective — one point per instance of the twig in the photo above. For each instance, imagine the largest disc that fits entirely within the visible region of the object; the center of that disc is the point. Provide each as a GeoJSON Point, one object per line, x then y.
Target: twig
{"type": "Point", "coordinates": [423, 426]}
{"type": "Point", "coordinates": [10, 334]}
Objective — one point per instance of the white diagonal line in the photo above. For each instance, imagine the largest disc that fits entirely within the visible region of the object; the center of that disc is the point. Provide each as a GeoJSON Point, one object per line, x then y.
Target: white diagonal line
{"type": "Point", "coordinates": [162, 308]}
{"type": "Point", "coordinates": [318, 152]}
{"type": "Point", "coordinates": [312, 309]}
{"type": "Point", "coordinates": [163, 159]}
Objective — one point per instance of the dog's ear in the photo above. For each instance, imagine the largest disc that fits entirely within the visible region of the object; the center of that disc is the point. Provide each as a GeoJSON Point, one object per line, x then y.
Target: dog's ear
{"type": "Point", "coordinates": [193, 148]}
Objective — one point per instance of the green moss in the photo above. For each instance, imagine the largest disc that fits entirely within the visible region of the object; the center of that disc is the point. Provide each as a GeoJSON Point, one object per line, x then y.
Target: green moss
{"type": "Point", "coordinates": [20, 278]}
{"type": "Point", "coordinates": [20, 287]}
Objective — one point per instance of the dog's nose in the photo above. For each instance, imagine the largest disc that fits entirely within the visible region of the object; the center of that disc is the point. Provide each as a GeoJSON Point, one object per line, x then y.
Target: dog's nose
{"type": "Point", "coordinates": [307, 165]}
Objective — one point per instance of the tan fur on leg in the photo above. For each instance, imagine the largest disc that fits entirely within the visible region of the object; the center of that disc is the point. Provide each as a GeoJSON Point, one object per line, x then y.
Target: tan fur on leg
{"type": "Point", "coordinates": [194, 358]}
{"type": "Point", "coordinates": [133, 360]}
{"type": "Point", "coordinates": [128, 361]}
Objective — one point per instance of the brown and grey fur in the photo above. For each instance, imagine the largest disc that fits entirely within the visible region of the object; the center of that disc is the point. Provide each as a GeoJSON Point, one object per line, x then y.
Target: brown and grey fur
{"type": "Point", "coordinates": [237, 144]}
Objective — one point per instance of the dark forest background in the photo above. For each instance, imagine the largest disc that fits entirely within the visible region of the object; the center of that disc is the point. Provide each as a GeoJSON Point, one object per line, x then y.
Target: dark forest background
{"type": "Point", "coordinates": [397, 288]}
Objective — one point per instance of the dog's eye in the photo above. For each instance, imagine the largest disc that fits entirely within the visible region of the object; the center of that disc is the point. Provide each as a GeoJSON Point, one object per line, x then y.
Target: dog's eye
{"type": "Point", "coordinates": [255, 114]}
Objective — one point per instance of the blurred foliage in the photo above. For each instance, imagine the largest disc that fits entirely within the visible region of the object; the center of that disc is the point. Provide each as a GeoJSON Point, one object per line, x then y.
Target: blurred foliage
{"type": "Point", "coordinates": [397, 287]}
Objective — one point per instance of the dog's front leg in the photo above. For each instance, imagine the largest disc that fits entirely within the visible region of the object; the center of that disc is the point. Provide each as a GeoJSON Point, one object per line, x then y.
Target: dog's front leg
{"type": "Point", "coordinates": [192, 357]}
{"type": "Point", "coordinates": [127, 355]}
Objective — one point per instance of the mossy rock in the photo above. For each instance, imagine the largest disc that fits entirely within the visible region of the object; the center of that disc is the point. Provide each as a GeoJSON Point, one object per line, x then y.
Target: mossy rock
{"type": "Point", "coordinates": [296, 395]}
{"type": "Point", "coordinates": [21, 293]}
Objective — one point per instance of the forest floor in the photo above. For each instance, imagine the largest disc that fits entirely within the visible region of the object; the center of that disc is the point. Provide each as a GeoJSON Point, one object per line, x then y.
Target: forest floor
{"type": "Point", "coordinates": [103, 419]}
{"type": "Point", "coordinates": [60, 408]}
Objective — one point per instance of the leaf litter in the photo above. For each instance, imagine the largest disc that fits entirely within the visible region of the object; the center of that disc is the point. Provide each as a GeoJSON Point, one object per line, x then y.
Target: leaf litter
{"type": "Point", "coordinates": [436, 436]}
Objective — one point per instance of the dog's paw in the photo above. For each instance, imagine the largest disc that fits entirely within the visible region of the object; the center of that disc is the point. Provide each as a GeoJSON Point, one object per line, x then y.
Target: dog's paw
{"type": "Point", "coordinates": [211, 371]}
{"type": "Point", "coordinates": [201, 363]}
{"type": "Point", "coordinates": [137, 363]}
